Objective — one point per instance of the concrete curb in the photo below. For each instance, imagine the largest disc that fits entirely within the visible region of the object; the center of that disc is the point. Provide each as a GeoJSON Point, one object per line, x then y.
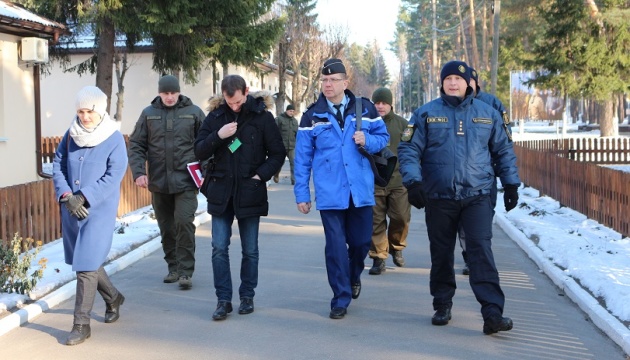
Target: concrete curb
{"type": "Point", "coordinates": [606, 322]}
{"type": "Point", "coordinates": [65, 292]}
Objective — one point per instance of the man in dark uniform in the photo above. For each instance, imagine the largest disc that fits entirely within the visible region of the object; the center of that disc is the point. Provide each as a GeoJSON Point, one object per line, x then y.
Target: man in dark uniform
{"type": "Point", "coordinates": [445, 157]}
{"type": "Point", "coordinates": [498, 105]}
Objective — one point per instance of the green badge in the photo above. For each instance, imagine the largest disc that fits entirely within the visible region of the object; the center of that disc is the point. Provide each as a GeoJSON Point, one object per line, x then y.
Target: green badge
{"type": "Point", "coordinates": [407, 134]}
{"type": "Point", "coordinates": [234, 145]}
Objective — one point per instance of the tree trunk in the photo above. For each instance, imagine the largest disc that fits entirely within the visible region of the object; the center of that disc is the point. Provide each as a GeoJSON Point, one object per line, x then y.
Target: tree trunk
{"type": "Point", "coordinates": [105, 57]}
{"type": "Point", "coordinates": [619, 109]}
{"type": "Point", "coordinates": [215, 75]}
{"type": "Point", "coordinates": [296, 89]}
{"type": "Point", "coordinates": [484, 39]}
{"type": "Point", "coordinates": [607, 126]}
{"type": "Point", "coordinates": [463, 33]}
{"type": "Point", "coordinates": [282, 75]}
{"type": "Point", "coordinates": [121, 71]}
{"type": "Point", "coordinates": [225, 69]}
{"type": "Point", "coordinates": [473, 37]}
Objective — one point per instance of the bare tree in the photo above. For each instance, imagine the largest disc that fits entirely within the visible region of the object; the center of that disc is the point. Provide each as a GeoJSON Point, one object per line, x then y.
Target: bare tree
{"type": "Point", "coordinates": [322, 45]}
{"type": "Point", "coordinates": [121, 66]}
{"type": "Point", "coordinates": [462, 33]}
{"type": "Point", "coordinates": [473, 37]}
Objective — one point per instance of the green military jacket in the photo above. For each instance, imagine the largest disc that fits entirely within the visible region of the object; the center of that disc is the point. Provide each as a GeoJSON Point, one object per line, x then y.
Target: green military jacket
{"type": "Point", "coordinates": [288, 126]}
{"type": "Point", "coordinates": [163, 139]}
{"type": "Point", "coordinates": [395, 126]}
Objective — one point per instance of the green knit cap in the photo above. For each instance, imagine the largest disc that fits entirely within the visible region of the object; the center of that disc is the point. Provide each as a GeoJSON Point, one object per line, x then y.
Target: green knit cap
{"type": "Point", "coordinates": [168, 83]}
{"type": "Point", "coordinates": [383, 95]}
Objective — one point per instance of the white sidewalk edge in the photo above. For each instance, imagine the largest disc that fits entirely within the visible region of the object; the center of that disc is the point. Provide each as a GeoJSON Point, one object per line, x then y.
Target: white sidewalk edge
{"type": "Point", "coordinates": [600, 316]}
{"type": "Point", "coordinates": [65, 292]}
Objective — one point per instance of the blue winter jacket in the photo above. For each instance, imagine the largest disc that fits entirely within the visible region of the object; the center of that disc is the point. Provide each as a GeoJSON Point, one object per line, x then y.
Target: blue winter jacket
{"type": "Point", "coordinates": [339, 170]}
{"type": "Point", "coordinates": [491, 100]}
{"type": "Point", "coordinates": [452, 149]}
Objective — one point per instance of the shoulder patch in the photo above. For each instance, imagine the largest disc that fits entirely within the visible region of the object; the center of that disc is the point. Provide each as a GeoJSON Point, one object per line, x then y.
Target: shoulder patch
{"type": "Point", "coordinates": [407, 134]}
{"type": "Point", "coordinates": [482, 121]}
{"type": "Point", "coordinates": [432, 119]}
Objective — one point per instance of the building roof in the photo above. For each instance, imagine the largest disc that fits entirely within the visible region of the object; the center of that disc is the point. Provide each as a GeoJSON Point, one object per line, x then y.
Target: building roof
{"type": "Point", "coordinates": [16, 20]}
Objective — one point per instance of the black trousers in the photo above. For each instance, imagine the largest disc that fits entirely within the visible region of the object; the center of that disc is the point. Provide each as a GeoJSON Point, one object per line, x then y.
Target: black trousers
{"type": "Point", "coordinates": [88, 283]}
{"type": "Point", "coordinates": [443, 218]}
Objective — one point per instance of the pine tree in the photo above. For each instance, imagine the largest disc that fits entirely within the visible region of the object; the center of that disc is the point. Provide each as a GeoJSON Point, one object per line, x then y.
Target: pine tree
{"type": "Point", "coordinates": [585, 54]}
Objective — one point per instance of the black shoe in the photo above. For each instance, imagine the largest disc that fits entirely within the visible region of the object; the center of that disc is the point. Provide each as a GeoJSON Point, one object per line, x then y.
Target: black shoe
{"type": "Point", "coordinates": [223, 308]}
{"type": "Point", "coordinates": [356, 290]}
{"type": "Point", "coordinates": [79, 333]}
{"type": "Point", "coordinates": [338, 313]}
{"type": "Point", "coordinates": [399, 260]}
{"type": "Point", "coordinates": [247, 306]}
{"type": "Point", "coordinates": [378, 267]}
{"type": "Point", "coordinates": [466, 270]}
{"type": "Point", "coordinates": [441, 317]}
{"type": "Point", "coordinates": [112, 311]}
{"type": "Point", "coordinates": [497, 323]}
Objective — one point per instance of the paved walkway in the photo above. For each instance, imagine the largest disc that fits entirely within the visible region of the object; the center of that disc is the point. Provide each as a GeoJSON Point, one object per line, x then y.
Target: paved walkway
{"type": "Point", "coordinates": [391, 319]}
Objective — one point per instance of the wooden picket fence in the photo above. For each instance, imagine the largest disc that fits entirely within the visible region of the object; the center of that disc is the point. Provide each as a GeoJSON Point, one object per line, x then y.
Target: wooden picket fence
{"type": "Point", "coordinates": [31, 209]}
{"type": "Point", "coordinates": [609, 151]}
{"type": "Point", "coordinates": [567, 170]}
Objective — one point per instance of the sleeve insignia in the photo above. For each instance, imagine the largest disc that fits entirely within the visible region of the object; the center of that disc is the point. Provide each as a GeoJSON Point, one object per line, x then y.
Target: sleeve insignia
{"type": "Point", "coordinates": [407, 133]}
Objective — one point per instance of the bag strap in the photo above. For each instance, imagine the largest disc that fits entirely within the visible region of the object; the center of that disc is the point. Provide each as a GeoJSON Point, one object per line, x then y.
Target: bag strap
{"type": "Point", "coordinates": [359, 112]}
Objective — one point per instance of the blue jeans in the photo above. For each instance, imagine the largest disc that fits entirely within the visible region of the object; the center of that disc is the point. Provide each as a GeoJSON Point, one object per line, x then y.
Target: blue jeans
{"type": "Point", "coordinates": [221, 233]}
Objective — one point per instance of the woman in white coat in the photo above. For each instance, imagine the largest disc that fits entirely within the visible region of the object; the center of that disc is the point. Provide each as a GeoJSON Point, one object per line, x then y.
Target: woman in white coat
{"type": "Point", "coordinates": [89, 166]}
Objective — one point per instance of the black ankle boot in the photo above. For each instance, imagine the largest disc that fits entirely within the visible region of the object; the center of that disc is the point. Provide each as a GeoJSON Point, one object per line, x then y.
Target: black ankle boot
{"type": "Point", "coordinates": [112, 312]}
{"type": "Point", "coordinates": [79, 333]}
{"type": "Point", "coordinates": [378, 267]}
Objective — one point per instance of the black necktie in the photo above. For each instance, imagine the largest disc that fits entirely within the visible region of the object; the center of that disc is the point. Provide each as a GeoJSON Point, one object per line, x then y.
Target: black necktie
{"type": "Point", "coordinates": [339, 116]}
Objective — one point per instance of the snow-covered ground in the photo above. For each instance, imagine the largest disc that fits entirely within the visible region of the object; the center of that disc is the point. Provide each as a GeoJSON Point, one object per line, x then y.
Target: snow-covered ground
{"type": "Point", "coordinates": [597, 257]}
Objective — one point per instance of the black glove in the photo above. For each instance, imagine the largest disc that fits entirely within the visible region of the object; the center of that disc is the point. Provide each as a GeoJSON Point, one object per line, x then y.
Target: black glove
{"type": "Point", "coordinates": [510, 196]}
{"type": "Point", "coordinates": [416, 195]}
{"type": "Point", "coordinates": [74, 204]}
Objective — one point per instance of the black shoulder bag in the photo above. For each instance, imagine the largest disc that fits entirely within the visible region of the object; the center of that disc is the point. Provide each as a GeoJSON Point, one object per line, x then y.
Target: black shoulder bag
{"type": "Point", "coordinates": [383, 162]}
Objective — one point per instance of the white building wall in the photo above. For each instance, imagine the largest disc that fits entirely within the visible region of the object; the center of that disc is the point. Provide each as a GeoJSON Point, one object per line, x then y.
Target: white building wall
{"type": "Point", "coordinates": [59, 89]}
{"type": "Point", "coordinates": [17, 116]}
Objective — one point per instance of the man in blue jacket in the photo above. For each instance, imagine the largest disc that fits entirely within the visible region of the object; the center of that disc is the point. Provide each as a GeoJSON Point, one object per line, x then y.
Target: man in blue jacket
{"type": "Point", "coordinates": [327, 144]}
{"type": "Point", "coordinates": [446, 160]}
{"type": "Point", "coordinates": [498, 105]}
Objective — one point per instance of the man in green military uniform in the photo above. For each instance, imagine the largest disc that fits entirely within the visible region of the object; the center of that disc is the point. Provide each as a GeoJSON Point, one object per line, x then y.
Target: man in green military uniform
{"type": "Point", "coordinates": [391, 201]}
{"type": "Point", "coordinates": [288, 126]}
{"type": "Point", "coordinates": [160, 147]}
